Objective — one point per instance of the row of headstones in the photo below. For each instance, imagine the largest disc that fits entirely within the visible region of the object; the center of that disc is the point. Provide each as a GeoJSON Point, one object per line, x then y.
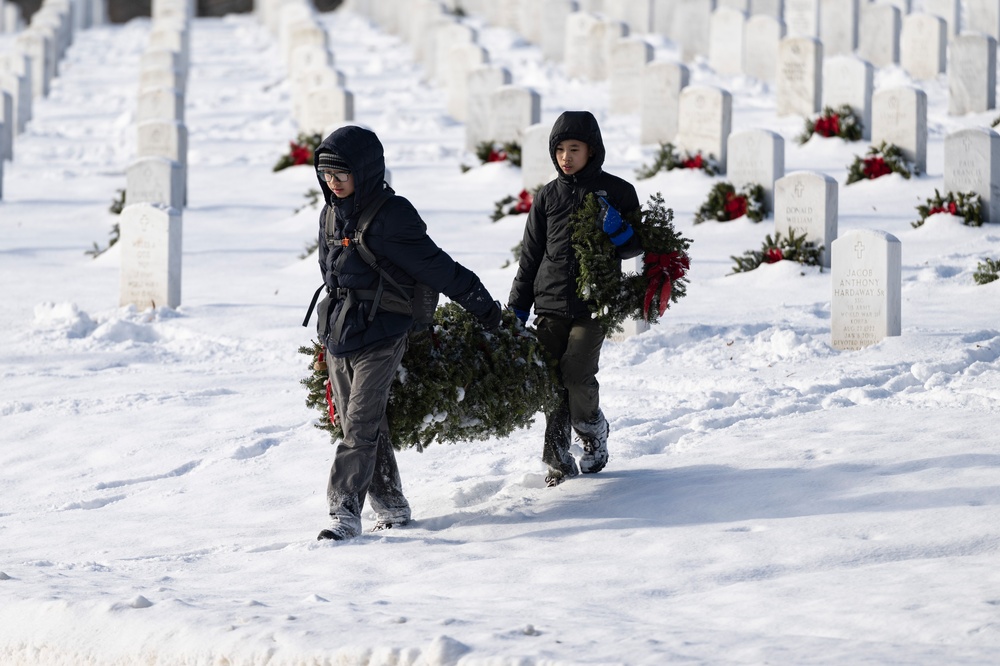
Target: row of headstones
{"type": "Point", "coordinates": [32, 60]}
{"type": "Point", "coordinates": [918, 43]}
{"type": "Point", "coordinates": [150, 224]}
{"type": "Point", "coordinates": [320, 100]}
{"type": "Point", "coordinates": [866, 304]}
{"type": "Point", "coordinates": [839, 24]}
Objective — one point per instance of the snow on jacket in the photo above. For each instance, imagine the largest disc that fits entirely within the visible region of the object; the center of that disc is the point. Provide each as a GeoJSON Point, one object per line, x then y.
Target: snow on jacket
{"type": "Point", "coordinates": [547, 272]}
{"type": "Point", "coordinates": [398, 238]}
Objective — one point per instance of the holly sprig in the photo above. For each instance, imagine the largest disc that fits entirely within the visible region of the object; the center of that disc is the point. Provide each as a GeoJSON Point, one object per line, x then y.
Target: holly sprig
{"type": "Point", "coordinates": [725, 203]}
{"type": "Point", "coordinates": [966, 205]}
{"type": "Point", "coordinates": [617, 295]}
{"type": "Point", "coordinates": [779, 248]}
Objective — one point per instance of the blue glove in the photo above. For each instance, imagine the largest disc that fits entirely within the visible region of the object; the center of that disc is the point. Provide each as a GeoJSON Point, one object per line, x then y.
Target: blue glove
{"type": "Point", "coordinates": [614, 226]}
{"type": "Point", "coordinates": [521, 314]}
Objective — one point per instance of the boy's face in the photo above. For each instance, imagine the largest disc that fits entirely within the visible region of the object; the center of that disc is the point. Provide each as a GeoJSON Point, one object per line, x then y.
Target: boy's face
{"type": "Point", "coordinates": [572, 155]}
{"type": "Point", "coordinates": [340, 182]}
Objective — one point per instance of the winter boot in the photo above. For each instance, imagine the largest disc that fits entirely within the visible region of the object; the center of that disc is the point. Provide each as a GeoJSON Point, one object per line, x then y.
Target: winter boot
{"type": "Point", "coordinates": [555, 451]}
{"type": "Point", "coordinates": [594, 435]}
{"type": "Point", "coordinates": [338, 531]}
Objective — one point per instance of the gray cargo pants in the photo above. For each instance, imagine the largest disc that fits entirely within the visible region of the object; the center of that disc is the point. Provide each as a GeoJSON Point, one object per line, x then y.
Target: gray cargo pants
{"type": "Point", "coordinates": [364, 464]}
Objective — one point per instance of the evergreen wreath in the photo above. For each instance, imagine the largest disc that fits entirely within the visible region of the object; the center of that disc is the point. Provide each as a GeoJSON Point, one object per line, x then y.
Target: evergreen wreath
{"type": "Point", "coordinates": [987, 271]}
{"type": "Point", "coordinates": [300, 151]}
{"type": "Point", "coordinates": [615, 295]}
{"type": "Point", "coordinates": [778, 248]}
{"type": "Point", "coordinates": [966, 205]}
{"type": "Point", "coordinates": [457, 382]}
{"type": "Point", "coordinates": [667, 159]}
{"type": "Point", "coordinates": [840, 122]}
{"type": "Point", "coordinates": [724, 203]}
{"type": "Point", "coordinates": [521, 205]}
{"type": "Point", "coordinates": [879, 161]}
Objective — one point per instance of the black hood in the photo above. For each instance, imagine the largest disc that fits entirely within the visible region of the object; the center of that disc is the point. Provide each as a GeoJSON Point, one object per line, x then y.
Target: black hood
{"type": "Point", "coordinates": [581, 126]}
{"type": "Point", "coordinates": [362, 151]}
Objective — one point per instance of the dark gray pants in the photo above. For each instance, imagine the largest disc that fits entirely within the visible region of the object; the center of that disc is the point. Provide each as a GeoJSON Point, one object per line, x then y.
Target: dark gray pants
{"type": "Point", "coordinates": [576, 345]}
{"type": "Point", "coordinates": [365, 464]}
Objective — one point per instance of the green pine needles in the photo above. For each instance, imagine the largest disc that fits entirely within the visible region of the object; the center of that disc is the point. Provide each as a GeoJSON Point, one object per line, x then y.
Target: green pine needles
{"type": "Point", "coordinates": [966, 205]}
{"type": "Point", "coordinates": [778, 248]}
{"type": "Point", "coordinates": [725, 203]}
{"type": "Point", "coordinates": [458, 382]}
{"type": "Point", "coordinates": [617, 295]}
{"type": "Point", "coordinates": [879, 161]}
{"type": "Point", "coordinates": [987, 271]}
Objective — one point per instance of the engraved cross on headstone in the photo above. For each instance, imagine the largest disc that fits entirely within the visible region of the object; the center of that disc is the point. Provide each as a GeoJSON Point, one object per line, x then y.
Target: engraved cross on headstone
{"type": "Point", "coordinates": [859, 248]}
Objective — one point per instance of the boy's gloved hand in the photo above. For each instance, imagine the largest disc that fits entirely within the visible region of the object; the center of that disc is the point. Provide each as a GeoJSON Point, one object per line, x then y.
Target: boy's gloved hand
{"type": "Point", "coordinates": [522, 315]}
{"type": "Point", "coordinates": [491, 320]}
{"type": "Point", "coordinates": [614, 226]}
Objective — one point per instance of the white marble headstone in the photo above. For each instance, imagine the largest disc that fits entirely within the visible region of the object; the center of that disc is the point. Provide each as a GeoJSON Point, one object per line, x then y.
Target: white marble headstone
{"type": "Point", "coordinates": [513, 110]}
{"type": "Point", "coordinates": [726, 40]}
{"type": "Point", "coordinates": [482, 82]}
{"type": "Point", "coordinates": [972, 74]}
{"type": "Point", "coordinates": [923, 46]}
{"type": "Point", "coordinates": [799, 88]}
{"type": "Point", "coordinates": [866, 274]}
{"type": "Point", "coordinates": [155, 180]}
{"type": "Point", "coordinates": [838, 26]}
{"type": "Point", "coordinates": [662, 82]}
{"type": "Point", "coordinates": [756, 157]}
{"type": "Point", "coordinates": [536, 161]}
{"type": "Point", "coordinates": [761, 46]}
{"type": "Point", "coordinates": [150, 241]}
{"type": "Point", "coordinates": [878, 34]}
{"type": "Point", "coordinates": [899, 116]}
{"type": "Point", "coordinates": [628, 62]}
{"type": "Point", "coordinates": [850, 80]}
{"type": "Point", "coordinates": [972, 164]}
{"type": "Point", "coordinates": [705, 121]}
{"type": "Point", "coordinates": [806, 202]}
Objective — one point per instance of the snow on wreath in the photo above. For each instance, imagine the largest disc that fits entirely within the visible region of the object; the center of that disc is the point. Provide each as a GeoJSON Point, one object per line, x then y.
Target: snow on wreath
{"type": "Point", "coordinates": [457, 382]}
{"type": "Point", "coordinates": [617, 295]}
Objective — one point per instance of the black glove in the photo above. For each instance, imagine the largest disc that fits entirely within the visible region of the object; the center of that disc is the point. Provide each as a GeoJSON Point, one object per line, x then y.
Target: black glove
{"type": "Point", "coordinates": [491, 320]}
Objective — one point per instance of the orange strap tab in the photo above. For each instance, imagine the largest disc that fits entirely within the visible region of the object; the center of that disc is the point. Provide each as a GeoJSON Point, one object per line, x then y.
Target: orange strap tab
{"type": "Point", "coordinates": [345, 241]}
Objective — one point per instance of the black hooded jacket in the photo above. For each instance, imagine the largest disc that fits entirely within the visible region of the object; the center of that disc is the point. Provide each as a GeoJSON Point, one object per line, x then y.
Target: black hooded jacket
{"type": "Point", "coordinates": [398, 239]}
{"type": "Point", "coordinates": [548, 269]}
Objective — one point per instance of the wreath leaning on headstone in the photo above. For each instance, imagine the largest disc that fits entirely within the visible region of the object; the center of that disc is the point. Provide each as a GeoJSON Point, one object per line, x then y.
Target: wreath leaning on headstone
{"type": "Point", "coordinates": [457, 382]}
{"type": "Point", "coordinates": [840, 122]}
{"type": "Point", "coordinates": [966, 205]}
{"type": "Point", "coordinates": [668, 158]}
{"type": "Point", "coordinates": [879, 161]}
{"type": "Point", "coordinates": [779, 248]}
{"type": "Point", "coordinates": [725, 203]}
{"type": "Point", "coordinates": [617, 295]}
{"type": "Point", "coordinates": [509, 205]}
{"type": "Point", "coordinates": [300, 151]}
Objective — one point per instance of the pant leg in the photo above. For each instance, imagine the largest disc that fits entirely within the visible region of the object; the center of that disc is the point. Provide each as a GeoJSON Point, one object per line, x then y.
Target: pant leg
{"type": "Point", "coordinates": [386, 490]}
{"type": "Point", "coordinates": [360, 384]}
{"type": "Point", "coordinates": [576, 345]}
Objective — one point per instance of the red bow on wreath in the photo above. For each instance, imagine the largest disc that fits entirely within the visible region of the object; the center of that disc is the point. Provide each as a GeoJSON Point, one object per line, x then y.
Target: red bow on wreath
{"type": "Point", "coordinates": [662, 270]}
{"type": "Point", "coordinates": [524, 200]}
{"type": "Point", "coordinates": [300, 154]}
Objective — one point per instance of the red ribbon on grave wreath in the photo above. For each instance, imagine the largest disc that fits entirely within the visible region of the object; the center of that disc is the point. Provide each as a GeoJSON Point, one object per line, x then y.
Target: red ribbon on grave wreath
{"type": "Point", "coordinates": [828, 125]}
{"type": "Point", "coordinates": [300, 154]}
{"type": "Point", "coordinates": [496, 155]}
{"type": "Point", "coordinates": [735, 206]}
{"type": "Point", "coordinates": [524, 201]}
{"type": "Point", "coordinates": [662, 270]}
{"type": "Point", "coordinates": [875, 167]}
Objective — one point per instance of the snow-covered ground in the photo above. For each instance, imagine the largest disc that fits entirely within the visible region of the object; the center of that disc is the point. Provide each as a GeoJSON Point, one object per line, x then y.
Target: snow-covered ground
{"type": "Point", "coordinates": [769, 499]}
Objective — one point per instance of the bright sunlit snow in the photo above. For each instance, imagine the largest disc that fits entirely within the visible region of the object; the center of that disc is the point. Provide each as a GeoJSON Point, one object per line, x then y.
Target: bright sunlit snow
{"type": "Point", "coordinates": [769, 499]}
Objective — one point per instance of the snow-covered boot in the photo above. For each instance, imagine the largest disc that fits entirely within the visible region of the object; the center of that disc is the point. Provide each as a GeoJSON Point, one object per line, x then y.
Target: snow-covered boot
{"type": "Point", "coordinates": [594, 435]}
{"type": "Point", "coordinates": [555, 452]}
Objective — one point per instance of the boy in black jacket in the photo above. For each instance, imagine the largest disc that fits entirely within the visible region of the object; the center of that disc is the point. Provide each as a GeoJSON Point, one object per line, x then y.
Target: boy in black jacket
{"type": "Point", "coordinates": [363, 330]}
{"type": "Point", "coordinates": [547, 279]}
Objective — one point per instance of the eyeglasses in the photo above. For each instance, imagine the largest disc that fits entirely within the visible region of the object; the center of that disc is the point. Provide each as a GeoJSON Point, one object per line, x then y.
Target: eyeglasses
{"type": "Point", "coordinates": [330, 174]}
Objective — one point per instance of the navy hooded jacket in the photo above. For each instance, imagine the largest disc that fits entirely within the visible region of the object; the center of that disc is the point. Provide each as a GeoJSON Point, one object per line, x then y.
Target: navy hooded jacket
{"type": "Point", "coordinates": [397, 237]}
{"type": "Point", "coordinates": [548, 268]}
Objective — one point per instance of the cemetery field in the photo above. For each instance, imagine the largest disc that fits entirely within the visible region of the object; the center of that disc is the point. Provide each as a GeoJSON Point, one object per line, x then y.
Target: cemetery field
{"type": "Point", "coordinates": [771, 497]}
